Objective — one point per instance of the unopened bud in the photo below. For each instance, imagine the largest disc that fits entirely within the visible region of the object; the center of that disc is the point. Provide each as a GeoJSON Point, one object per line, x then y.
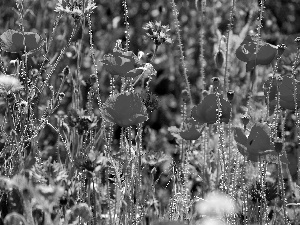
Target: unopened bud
{"type": "Point", "coordinates": [278, 146]}
{"type": "Point", "coordinates": [204, 93]}
{"type": "Point", "coordinates": [185, 96]}
{"type": "Point", "coordinates": [66, 71]}
{"type": "Point", "coordinates": [93, 78]}
{"type": "Point", "coordinates": [297, 40]}
{"type": "Point", "coordinates": [61, 95]}
{"type": "Point", "coordinates": [280, 49]}
{"type": "Point", "coordinates": [219, 59]}
{"type": "Point", "coordinates": [230, 95]}
{"type": "Point", "coordinates": [245, 120]}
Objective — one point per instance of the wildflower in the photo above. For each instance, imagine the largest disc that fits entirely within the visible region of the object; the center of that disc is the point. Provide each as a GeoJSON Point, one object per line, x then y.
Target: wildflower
{"type": "Point", "coordinates": [257, 144]}
{"type": "Point", "coordinates": [75, 8]}
{"type": "Point", "coordinates": [189, 131]}
{"type": "Point", "coordinates": [157, 32]}
{"type": "Point", "coordinates": [286, 89]}
{"type": "Point", "coordinates": [216, 205]}
{"type": "Point", "coordinates": [122, 63]}
{"type": "Point", "coordinates": [13, 41]}
{"type": "Point", "coordinates": [246, 52]}
{"type": "Point", "coordinates": [125, 109]}
{"type": "Point", "coordinates": [207, 110]}
{"type": "Point", "coordinates": [9, 84]}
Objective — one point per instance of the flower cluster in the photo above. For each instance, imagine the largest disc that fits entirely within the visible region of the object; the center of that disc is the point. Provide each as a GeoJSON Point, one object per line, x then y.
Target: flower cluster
{"type": "Point", "coordinates": [157, 32]}
{"type": "Point", "coordinates": [75, 8]}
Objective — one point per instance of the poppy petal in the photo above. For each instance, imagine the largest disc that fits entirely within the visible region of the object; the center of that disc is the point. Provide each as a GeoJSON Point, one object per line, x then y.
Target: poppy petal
{"type": "Point", "coordinates": [259, 139]}
{"type": "Point", "coordinates": [247, 48]}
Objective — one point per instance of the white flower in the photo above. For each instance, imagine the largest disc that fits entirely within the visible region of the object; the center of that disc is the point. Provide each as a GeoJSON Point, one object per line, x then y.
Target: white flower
{"type": "Point", "coordinates": [75, 8]}
{"type": "Point", "coordinates": [216, 205]}
{"type": "Point", "coordinates": [9, 83]}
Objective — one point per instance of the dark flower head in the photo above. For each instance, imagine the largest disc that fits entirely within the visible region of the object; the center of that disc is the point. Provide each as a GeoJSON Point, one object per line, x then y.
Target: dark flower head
{"type": "Point", "coordinates": [122, 63]}
{"type": "Point", "coordinates": [257, 144]}
{"type": "Point", "coordinates": [246, 52]}
{"type": "Point", "coordinates": [125, 109]}
{"type": "Point", "coordinates": [207, 110]}
{"type": "Point", "coordinates": [188, 131]}
{"type": "Point", "coordinates": [13, 41]}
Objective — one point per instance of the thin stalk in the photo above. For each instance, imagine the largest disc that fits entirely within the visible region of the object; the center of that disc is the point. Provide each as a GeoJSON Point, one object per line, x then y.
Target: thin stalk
{"type": "Point", "coordinates": [227, 46]}
{"type": "Point", "coordinates": [180, 45]}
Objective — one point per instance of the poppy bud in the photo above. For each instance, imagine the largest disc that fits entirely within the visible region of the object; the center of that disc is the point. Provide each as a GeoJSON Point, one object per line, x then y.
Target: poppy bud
{"type": "Point", "coordinates": [93, 78]}
{"type": "Point", "coordinates": [230, 95]}
{"type": "Point", "coordinates": [297, 40]}
{"type": "Point", "coordinates": [245, 120]}
{"type": "Point", "coordinates": [219, 59]}
{"type": "Point", "coordinates": [204, 93]}
{"type": "Point", "coordinates": [279, 80]}
{"type": "Point", "coordinates": [61, 95]}
{"type": "Point", "coordinates": [66, 71]}
{"type": "Point", "coordinates": [216, 82]}
{"type": "Point", "coordinates": [185, 96]}
{"type": "Point", "coordinates": [33, 73]}
{"type": "Point", "coordinates": [278, 146]}
{"type": "Point", "coordinates": [280, 49]}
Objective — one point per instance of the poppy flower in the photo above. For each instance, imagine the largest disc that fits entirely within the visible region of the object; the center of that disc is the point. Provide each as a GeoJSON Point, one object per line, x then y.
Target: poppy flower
{"type": "Point", "coordinates": [125, 109]}
{"type": "Point", "coordinates": [13, 41]}
{"type": "Point", "coordinates": [207, 110]}
{"type": "Point", "coordinates": [122, 63]}
{"type": "Point", "coordinates": [257, 144]}
{"type": "Point", "coordinates": [189, 130]}
{"type": "Point", "coordinates": [246, 52]}
{"type": "Point", "coordinates": [286, 90]}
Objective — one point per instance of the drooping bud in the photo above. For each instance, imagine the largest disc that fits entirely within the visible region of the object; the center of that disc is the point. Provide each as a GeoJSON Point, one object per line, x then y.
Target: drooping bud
{"type": "Point", "coordinates": [219, 59]}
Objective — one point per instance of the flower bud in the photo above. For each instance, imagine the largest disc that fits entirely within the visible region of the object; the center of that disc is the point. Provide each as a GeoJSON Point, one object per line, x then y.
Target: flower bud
{"type": "Point", "coordinates": [66, 71]}
{"type": "Point", "coordinates": [219, 59]}
{"type": "Point", "coordinates": [33, 73]}
{"type": "Point", "coordinates": [216, 83]}
{"type": "Point", "coordinates": [204, 93]}
{"type": "Point", "coordinates": [280, 49]}
{"type": "Point", "coordinates": [278, 146]}
{"type": "Point", "coordinates": [185, 96]}
{"type": "Point", "coordinates": [245, 120]}
{"type": "Point", "coordinates": [297, 40]}
{"type": "Point", "coordinates": [61, 95]}
{"type": "Point", "coordinates": [93, 78]}
{"type": "Point", "coordinates": [230, 95]}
